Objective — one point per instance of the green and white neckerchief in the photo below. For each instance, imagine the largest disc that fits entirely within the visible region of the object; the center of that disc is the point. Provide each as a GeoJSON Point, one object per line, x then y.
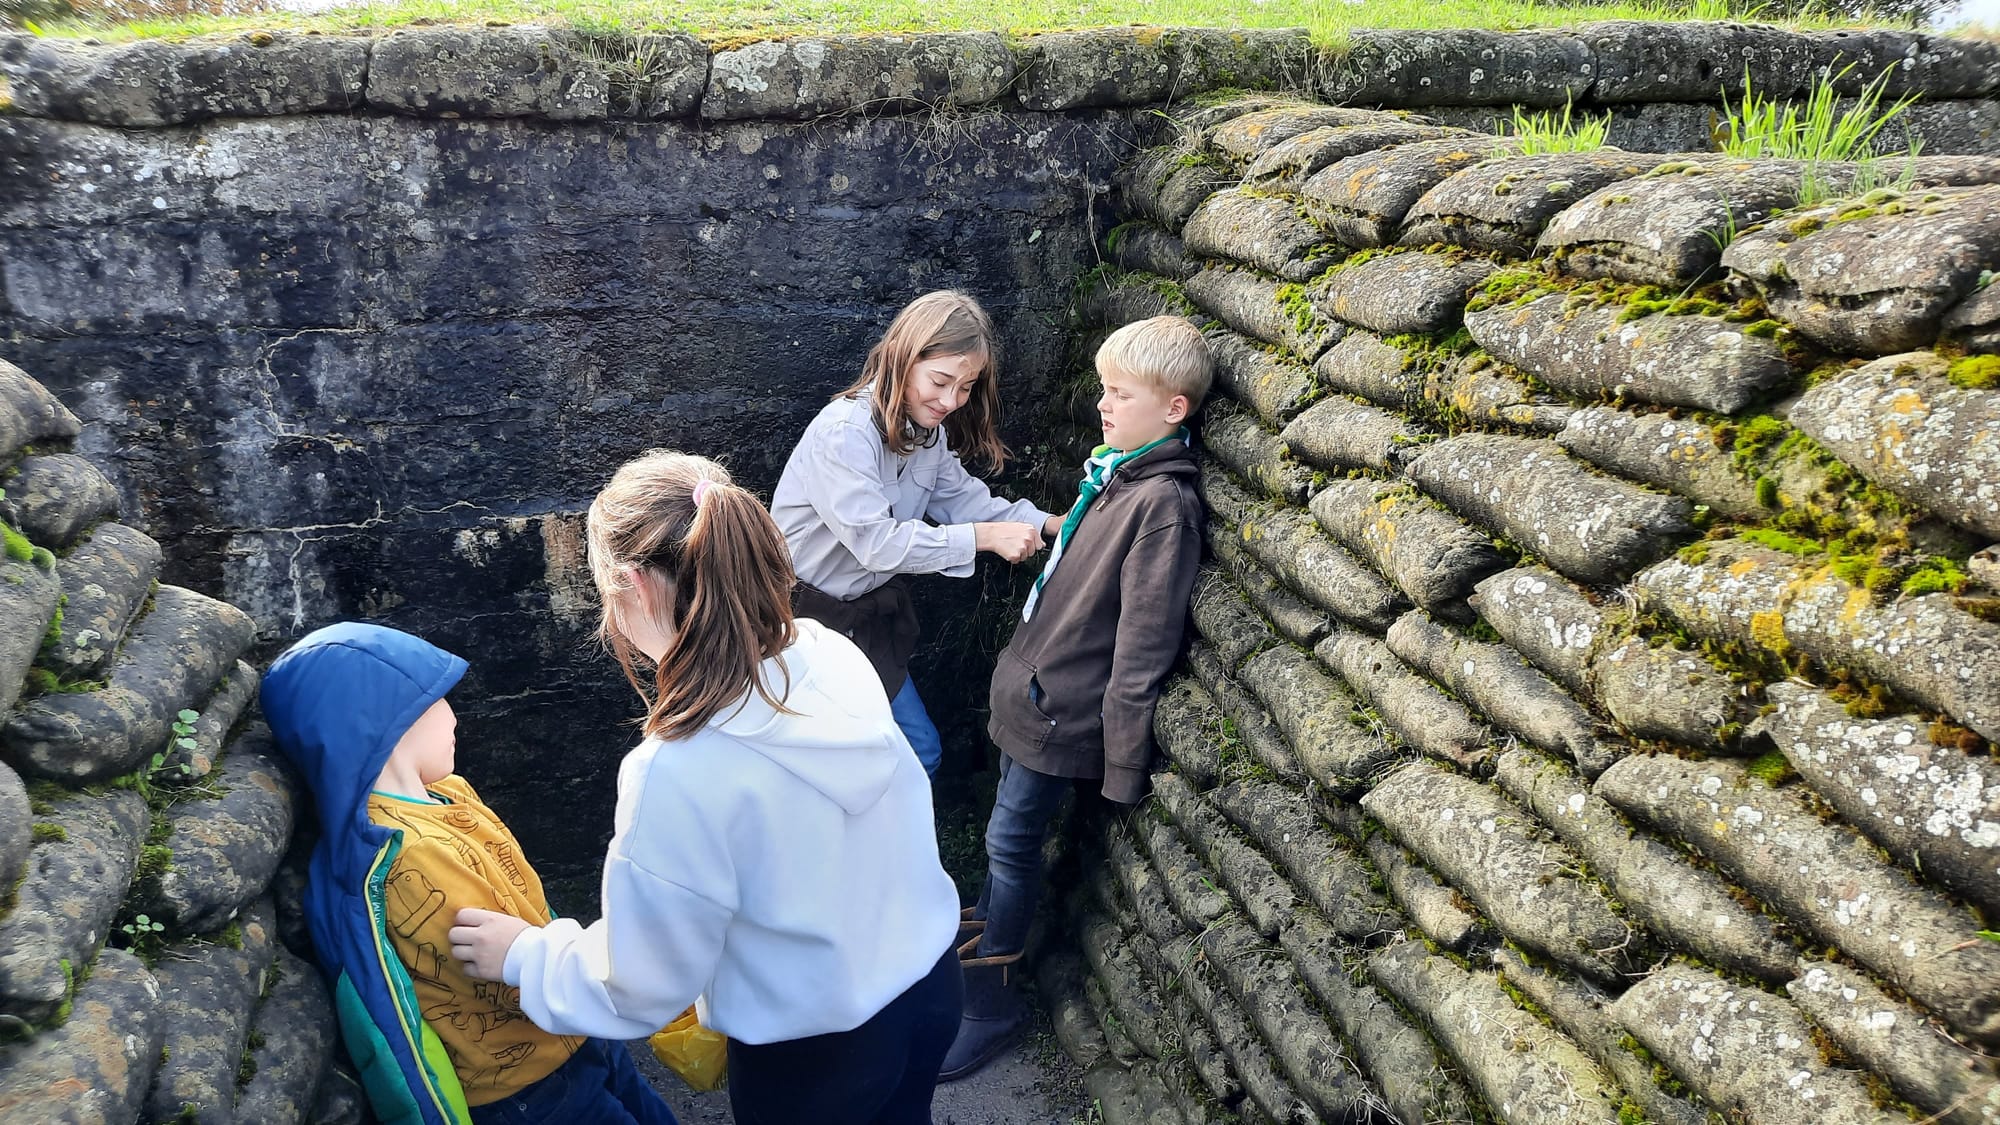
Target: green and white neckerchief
{"type": "Point", "coordinates": [1104, 460]}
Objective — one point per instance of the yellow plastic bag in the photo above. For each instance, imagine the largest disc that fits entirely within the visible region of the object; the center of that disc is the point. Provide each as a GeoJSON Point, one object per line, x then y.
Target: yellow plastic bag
{"type": "Point", "coordinates": [698, 1055]}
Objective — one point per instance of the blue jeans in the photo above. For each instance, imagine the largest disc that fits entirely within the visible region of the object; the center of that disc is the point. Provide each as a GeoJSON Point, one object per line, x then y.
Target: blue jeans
{"type": "Point", "coordinates": [881, 1073]}
{"type": "Point", "coordinates": [1023, 806]}
{"type": "Point", "coordinates": [599, 1083]}
{"type": "Point", "coordinates": [916, 725]}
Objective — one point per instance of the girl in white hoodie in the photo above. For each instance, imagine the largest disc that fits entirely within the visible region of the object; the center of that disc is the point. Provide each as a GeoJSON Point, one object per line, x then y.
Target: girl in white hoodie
{"type": "Point", "coordinates": [773, 852]}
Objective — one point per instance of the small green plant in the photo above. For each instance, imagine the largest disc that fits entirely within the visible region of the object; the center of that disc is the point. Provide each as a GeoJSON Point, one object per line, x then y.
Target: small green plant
{"type": "Point", "coordinates": [1550, 131]}
{"type": "Point", "coordinates": [144, 936]}
{"type": "Point", "coordinates": [1820, 133]}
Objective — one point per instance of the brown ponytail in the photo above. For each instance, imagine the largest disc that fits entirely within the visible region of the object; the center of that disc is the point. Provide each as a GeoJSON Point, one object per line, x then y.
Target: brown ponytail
{"type": "Point", "coordinates": [722, 584]}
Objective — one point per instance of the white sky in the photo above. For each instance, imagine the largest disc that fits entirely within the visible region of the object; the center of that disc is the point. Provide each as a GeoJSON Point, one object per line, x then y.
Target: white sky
{"type": "Point", "coordinates": [1976, 11]}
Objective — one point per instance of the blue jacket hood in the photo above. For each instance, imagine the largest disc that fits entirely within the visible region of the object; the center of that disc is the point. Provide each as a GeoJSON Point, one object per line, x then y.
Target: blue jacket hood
{"type": "Point", "coordinates": [337, 703]}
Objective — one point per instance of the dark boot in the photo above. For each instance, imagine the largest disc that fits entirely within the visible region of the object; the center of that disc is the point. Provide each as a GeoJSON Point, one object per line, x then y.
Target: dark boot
{"type": "Point", "coordinates": [994, 1016]}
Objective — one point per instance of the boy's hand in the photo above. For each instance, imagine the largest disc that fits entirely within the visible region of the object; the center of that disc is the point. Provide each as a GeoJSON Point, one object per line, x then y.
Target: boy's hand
{"type": "Point", "coordinates": [1052, 527]}
{"type": "Point", "coordinates": [481, 941]}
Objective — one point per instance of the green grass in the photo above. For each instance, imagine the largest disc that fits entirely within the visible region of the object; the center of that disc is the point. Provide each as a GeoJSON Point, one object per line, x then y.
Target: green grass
{"type": "Point", "coordinates": [1820, 131]}
{"type": "Point", "coordinates": [1538, 133]}
{"type": "Point", "coordinates": [729, 22]}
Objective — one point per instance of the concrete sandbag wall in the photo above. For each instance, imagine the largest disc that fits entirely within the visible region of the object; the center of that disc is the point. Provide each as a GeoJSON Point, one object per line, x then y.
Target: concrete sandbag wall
{"type": "Point", "coordinates": [1591, 705]}
{"type": "Point", "coordinates": [144, 816]}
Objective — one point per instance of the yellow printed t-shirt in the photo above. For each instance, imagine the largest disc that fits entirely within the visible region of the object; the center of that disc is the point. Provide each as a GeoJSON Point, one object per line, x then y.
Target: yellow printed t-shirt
{"type": "Point", "coordinates": [456, 855]}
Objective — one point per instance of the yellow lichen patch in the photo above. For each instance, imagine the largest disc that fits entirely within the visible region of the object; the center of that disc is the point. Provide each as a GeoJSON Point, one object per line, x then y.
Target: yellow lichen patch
{"type": "Point", "coordinates": [1147, 36]}
{"type": "Point", "coordinates": [1767, 628]}
{"type": "Point", "coordinates": [1741, 567]}
{"type": "Point", "coordinates": [1907, 401]}
{"type": "Point", "coordinates": [1859, 601]}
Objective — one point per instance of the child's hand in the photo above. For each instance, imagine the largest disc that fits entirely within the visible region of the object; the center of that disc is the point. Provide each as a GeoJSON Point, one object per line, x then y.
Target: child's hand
{"type": "Point", "coordinates": [481, 940]}
{"type": "Point", "coordinates": [1011, 541]}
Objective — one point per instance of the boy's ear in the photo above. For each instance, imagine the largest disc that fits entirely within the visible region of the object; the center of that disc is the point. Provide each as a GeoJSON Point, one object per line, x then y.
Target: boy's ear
{"type": "Point", "coordinates": [1177, 409]}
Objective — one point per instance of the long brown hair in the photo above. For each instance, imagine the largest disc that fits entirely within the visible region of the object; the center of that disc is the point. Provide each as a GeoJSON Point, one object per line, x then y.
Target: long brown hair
{"type": "Point", "coordinates": [722, 576]}
{"type": "Point", "coordinates": [946, 322]}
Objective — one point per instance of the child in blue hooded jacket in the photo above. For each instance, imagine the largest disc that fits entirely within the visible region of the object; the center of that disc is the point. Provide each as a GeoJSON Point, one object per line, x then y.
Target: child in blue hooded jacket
{"type": "Point", "coordinates": [404, 845]}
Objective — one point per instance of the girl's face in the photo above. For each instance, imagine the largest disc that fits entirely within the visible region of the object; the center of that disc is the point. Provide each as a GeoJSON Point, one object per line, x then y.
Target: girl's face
{"type": "Point", "coordinates": [640, 612]}
{"type": "Point", "coordinates": [939, 385]}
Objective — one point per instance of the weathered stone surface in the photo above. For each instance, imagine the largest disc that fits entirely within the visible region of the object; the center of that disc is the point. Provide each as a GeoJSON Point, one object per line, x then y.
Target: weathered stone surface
{"type": "Point", "coordinates": [535, 72]}
{"type": "Point", "coordinates": [57, 496]}
{"type": "Point", "coordinates": [1232, 629]}
{"type": "Point", "coordinates": [1362, 201]}
{"type": "Point", "coordinates": [1699, 361]}
{"type": "Point", "coordinates": [1258, 306]}
{"type": "Point", "coordinates": [1365, 365]}
{"type": "Point", "coordinates": [1184, 728]}
{"type": "Point", "coordinates": [30, 592]}
{"type": "Point", "coordinates": [1931, 64]}
{"type": "Point", "coordinates": [1393, 1052]}
{"type": "Point", "coordinates": [1139, 66]}
{"type": "Point", "coordinates": [1221, 495]}
{"type": "Point", "coordinates": [1275, 386]}
{"type": "Point", "coordinates": [1896, 1041]}
{"type": "Point", "coordinates": [1926, 648]}
{"type": "Point", "coordinates": [1475, 389]}
{"type": "Point", "coordinates": [29, 413]}
{"type": "Point", "coordinates": [1677, 454]}
{"type": "Point", "coordinates": [1825, 878]}
{"type": "Point", "coordinates": [1429, 554]}
{"type": "Point", "coordinates": [1258, 230]}
{"type": "Point", "coordinates": [1935, 807]}
{"type": "Point", "coordinates": [1736, 593]}
{"type": "Point", "coordinates": [1128, 1095]}
{"type": "Point", "coordinates": [1296, 621]}
{"type": "Point", "coordinates": [225, 849]}
{"type": "Point", "coordinates": [1312, 709]}
{"type": "Point", "coordinates": [1180, 880]}
{"type": "Point", "coordinates": [1527, 1072]}
{"type": "Point", "coordinates": [1253, 726]}
{"type": "Point", "coordinates": [1678, 902]}
{"type": "Point", "coordinates": [1139, 246]}
{"type": "Point", "coordinates": [16, 827]}
{"type": "Point", "coordinates": [1743, 1050]}
{"type": "Point", "coordinates": [1282, 824]}
{"type": "Point", "coordinates": [1501, 206]}
{"type": "Point", "coordinates": [1410, 706]}
{"type": "Point", "coordinates": [1579, 1009]}
{"type": "Point", "coordinates": [1266, 1091]}
{"type": "Point", "coordinates": [105, 580]}
{"type": "Point", "coordinates": [1323, 572]}
{"type": "Point", "coordinates": [1973, 323]}
{"type": "Point", "coordinates": [1253, 453]}
{"type": "Point", "coordinates": [1308, 1051]}
{"type": "Point", "coordinates": [155, 82]}
{"type": "Point", "coordinates": [1669, 226]}
{"type": "Point", "coordinates": [1285, 166]}
{"type": "Point", "coordinates": [1107, 949]}
{"type": "Point", "coordinates": [1398, 293]}
{"type": "Point", "coordinates": [1874, 279]}
{"type": "Point", "coordinates": [1265, 895]}
{"type": "Point", "coordinates": [1673, 694]}
{"type": "Point", "coordinates": [1429, 901]}
{"type": "Point", "coordinates": [295, 1025]}
{"type": "Point", "coordinates": [219, 713]}
{"type": "Point", "coordinates": [208, 990]}
{"type": "Point", "coordinates": [1115, 301]}
{"type": "Point", "coordinates": [65, 904]}
{"type": "Point", "coordinates": [1243, 139]}
{"type": "Point", "coordinates": [1647, 61]}
{"type": "Point", "coordinates": [1487, 847]}
{"type": "Point", "coordinates": [1902, 423]}
{"type": "Point", "coordinates": [1059, 986]}
{"type": "Point", "coordinates": [1341, 432]}
{"type": "Point", "coordinates": [1503, 688]}
{"type": "Point", "coordinates": [805, 78]}
{"type": "Point", "coordinates": [96, 1066]}
{"type": "Point", "coordinates": [1167, 184]}
{"type": "Point", "coordinates": [1461, 66]}
{"type": "Point", "coordinates": [1548, 619]}
{"type": "Point", "coordinates": [171, 659]}
{"type": "Point", "coordinates": [1590, 527]}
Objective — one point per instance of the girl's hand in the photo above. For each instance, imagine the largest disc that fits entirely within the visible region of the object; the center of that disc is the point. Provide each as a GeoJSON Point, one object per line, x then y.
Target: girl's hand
{"type": "Point", "coordinates": [1011, 541]}
{"type": "Point", "coordinates": [481, 941]}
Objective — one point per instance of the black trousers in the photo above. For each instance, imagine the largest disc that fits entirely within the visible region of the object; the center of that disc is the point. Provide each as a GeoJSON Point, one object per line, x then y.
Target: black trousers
{"type": "Point", "coordinates": [881, 1073]}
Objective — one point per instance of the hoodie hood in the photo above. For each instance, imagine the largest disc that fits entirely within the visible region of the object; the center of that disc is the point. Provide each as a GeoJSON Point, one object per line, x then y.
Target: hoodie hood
{"type": "Point", "coordinates": [337, 702]}
{"type": "Point", "coordinates": [839, 738]}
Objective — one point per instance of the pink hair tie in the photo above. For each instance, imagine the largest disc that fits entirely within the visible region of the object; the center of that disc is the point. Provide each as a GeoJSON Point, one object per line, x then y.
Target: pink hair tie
{"type": "Point", "coordinates": [701, 488]}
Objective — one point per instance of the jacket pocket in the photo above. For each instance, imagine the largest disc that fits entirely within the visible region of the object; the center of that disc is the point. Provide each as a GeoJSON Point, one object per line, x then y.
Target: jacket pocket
{"type": "Point", "coordinates": [1016, 696]}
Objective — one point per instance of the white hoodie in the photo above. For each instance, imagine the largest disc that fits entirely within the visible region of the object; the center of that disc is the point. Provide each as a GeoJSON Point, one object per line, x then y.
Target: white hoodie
{"type": "Point", "coordinates": [782, 867]}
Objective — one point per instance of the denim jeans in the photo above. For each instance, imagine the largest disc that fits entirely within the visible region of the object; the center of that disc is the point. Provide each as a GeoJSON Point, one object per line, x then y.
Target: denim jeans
{"type": "Point", "coordinates": [915, 722]}
{"type": "Point", "coordinates": [1022, 807]}
{"type": "Point", "coordinates": [599, 1083]}
{"type": "Point", "coordinates": [881, 1073]}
